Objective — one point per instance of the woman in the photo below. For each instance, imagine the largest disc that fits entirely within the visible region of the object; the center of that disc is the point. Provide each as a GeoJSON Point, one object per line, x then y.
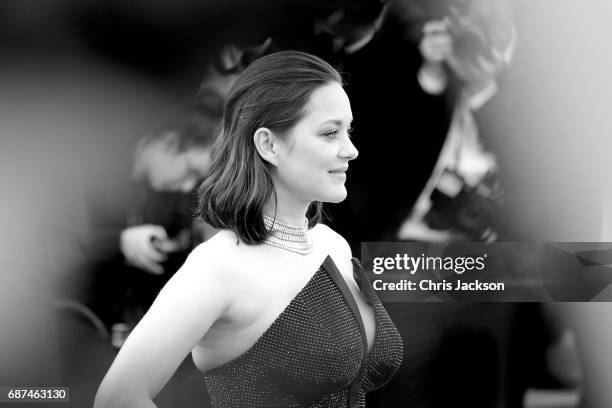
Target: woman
{"type": "Point", "coordinates": [269, 307]}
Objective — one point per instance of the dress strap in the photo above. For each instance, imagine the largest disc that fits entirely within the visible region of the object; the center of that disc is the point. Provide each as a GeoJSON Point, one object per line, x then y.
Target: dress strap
{"type": "Point", "coordinates": [334, 273]}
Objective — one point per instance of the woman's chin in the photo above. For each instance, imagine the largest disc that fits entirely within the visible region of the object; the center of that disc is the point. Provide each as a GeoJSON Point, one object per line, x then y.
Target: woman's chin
{"type": "Point", "coordinates": [335, 197]}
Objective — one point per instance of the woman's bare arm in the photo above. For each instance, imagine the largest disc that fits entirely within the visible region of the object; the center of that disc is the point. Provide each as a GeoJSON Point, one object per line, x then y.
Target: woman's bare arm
{"type": "Point", "coordinates": [192, 300]}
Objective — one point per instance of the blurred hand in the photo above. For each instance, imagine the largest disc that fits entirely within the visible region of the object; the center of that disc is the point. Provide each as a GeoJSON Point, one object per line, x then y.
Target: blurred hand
{"type": "Point", "coordinates": [144, 247]}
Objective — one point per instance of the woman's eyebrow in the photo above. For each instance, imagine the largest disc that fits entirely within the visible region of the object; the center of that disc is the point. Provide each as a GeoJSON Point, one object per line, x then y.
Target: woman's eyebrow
{"type": "Point", "coordinates": [336, 122]}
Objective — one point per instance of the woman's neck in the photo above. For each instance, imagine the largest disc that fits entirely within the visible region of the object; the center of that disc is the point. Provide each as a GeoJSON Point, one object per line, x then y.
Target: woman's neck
{"type": "Point", "coordinates": [292, 214]}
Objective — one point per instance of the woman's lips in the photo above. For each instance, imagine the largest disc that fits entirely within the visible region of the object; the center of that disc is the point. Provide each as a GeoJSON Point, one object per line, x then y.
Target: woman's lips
{"type": "Point", "coordinates": [338, 173]}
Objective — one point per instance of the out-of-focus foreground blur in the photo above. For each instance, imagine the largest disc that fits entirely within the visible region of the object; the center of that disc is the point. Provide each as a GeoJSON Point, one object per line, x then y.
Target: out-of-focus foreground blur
{"type": "Point", "coordinates": [82, 81]}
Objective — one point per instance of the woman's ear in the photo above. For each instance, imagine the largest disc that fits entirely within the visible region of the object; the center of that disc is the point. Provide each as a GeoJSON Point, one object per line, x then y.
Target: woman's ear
{"type": "Point", "coordinates": [267, 145]}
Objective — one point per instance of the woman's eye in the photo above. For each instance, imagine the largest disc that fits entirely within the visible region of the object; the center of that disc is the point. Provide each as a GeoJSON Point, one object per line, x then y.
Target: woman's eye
{"type": "Point", "coordinates": [331, 133]}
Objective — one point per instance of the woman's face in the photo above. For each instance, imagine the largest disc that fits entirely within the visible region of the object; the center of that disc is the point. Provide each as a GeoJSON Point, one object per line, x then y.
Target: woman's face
{"type": "Point", "coordinates": [314, 156]}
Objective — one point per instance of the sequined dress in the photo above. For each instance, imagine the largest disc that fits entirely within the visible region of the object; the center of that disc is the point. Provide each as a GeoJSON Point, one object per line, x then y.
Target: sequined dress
{"type": "Point", "coordinates": [315, 353]}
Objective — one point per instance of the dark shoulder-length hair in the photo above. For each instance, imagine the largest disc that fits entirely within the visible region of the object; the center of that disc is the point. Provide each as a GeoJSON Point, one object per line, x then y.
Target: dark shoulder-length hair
{"type": "Point", "coordinates": [271, 93]}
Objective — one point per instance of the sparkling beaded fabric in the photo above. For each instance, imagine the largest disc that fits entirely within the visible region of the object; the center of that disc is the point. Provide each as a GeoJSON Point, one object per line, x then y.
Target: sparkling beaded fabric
{"type": "Point", "coordinates": [315, 353]}
{"type": "Point", "coordinates": [290, 237]}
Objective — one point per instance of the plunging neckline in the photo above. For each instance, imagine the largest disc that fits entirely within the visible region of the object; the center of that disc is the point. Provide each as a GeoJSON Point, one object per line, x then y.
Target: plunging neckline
{"type": "Point", "coordinates": [328, 265]}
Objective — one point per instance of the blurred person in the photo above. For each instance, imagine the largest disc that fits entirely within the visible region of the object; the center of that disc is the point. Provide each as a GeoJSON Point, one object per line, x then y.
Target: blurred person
{"type": "Point", "coordinates": [166, 169]}
{"type": "Point", "coordinates": [160, 232]}
{"type": "Point", "coordinates": [173, 161]}
{"type": "Point", "coordinates": [463, 198]}
{"type": "Point", "coordinates": [549, 127]}
{"type": "Point", "coordinates": [176, 161]}
{"type": "Point", "coordinates": [262, 336]}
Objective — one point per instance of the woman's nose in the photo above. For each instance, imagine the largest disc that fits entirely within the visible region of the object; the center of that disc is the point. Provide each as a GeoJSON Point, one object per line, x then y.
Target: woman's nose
{"type": "Point", "coordinates": [349, 151]}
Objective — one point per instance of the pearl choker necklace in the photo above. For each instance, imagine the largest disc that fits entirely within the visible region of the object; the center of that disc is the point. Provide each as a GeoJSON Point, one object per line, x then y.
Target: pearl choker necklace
{"type": "Point", "coordinates": [289, 237]}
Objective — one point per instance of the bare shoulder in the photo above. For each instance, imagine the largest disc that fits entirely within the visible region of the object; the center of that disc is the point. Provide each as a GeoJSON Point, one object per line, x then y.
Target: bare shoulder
{"type": "Point", "coordinates": [216, 253]}
{"type": "Point", "coordinates": [334, 241]}
{"type": "Point", "coordinates": [207, 267]}
{"type": "Point", "coordinates": [337, 248]}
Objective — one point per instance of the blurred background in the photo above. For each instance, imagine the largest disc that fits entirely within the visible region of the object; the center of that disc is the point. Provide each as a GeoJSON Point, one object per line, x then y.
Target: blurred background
{"type": "Point", "coordinates": [475, 120]}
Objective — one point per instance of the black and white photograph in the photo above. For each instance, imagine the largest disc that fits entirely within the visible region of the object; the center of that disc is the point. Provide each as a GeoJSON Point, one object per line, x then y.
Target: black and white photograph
{"type": "Point", "coordinates": [306, 203]}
